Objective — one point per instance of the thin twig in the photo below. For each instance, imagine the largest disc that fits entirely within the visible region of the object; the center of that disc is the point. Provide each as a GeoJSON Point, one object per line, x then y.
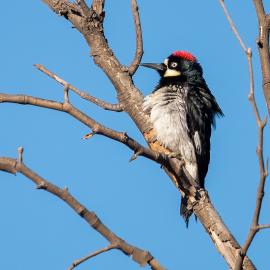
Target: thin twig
{"type": "Point", "coordinates": [139, 42]}
{"type": "Point", "coordinates": [105, 105]}
{"type": "Point", "coordinates": [66, 94]}
{"type": "Point", "coordinates": [255, 227]}
{"type": "Point", "coordinates": [20, 155]}
{"type": "Point", "coordinates": [91, 255]}
{"type": "Point", "coordinates": [264, 226]}
{"type": "Point", "coordinates": [233, 27]}
{"type": "Point", "coordinates": [142, 257]}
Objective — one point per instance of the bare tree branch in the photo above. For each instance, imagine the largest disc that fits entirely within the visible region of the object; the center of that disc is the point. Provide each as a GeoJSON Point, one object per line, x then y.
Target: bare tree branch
{"type": "Point", "coordinates": [173, 166]}
{"type": "Point", "coordinates": [203, 207]}
{"type": "Point", "coordinates": [90, 24]}
{"type": "Point", "coordinates": [264, 226]}
{"type": "Point", "coordinates": [138, 255]}
{"type": "Point", "coordinates": [263, 47]}
{"type": "Point", "coordinates": [66, 94]}
{"type": "Point", "coordinates": [96, 127]}
{"type": "Point", "coordinates": [233, 27]}
{"type": "Point", "coordinates": [255, 227]}
{"type": "Point", "coordinates": [139, 42]}
{"type": "Point", "coordinates": [84, 95]}
{"type": "Point", "coordinates": [98, 6]}
{"type": "Point", "coordinates": [91, 255]}
{"type": "Point", "coordinates": [91, 28]}
{"type": "Point", "coordinates": [83, 6]}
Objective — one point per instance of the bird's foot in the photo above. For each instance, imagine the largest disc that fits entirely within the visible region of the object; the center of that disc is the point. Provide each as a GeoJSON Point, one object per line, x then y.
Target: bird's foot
{"type": "Point", "coordinates": [175, 155]}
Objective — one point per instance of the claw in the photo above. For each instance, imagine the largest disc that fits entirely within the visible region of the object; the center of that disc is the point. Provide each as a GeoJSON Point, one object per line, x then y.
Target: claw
{"type": "Point", "coordinates": [175, 155]}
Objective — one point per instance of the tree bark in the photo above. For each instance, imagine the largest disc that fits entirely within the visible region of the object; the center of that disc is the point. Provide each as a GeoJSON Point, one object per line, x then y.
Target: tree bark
{"type": "Point", "coordinates": [263, 47]}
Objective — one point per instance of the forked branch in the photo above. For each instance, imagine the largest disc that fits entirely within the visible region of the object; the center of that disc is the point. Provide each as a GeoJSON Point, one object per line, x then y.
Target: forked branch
{"type": "Point", "coordinates": [103, 104]}
{"type": "Point", "coordinates": [140, 256]}
{"type": "Point", "coordinates": [96, 127]}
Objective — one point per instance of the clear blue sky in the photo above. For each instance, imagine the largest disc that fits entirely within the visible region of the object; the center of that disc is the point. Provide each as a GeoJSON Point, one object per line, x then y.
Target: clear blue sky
{"type": "Point", "coordinates": [136, 200]}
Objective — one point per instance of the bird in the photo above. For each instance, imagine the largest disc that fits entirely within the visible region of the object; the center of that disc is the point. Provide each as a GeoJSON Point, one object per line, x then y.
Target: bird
{"type": "Point", "coordinates": [182, 110]}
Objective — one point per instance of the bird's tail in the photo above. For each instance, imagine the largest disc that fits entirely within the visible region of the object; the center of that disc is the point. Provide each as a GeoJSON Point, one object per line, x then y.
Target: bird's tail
{"type": "Point", "coordinates": [185, 209]}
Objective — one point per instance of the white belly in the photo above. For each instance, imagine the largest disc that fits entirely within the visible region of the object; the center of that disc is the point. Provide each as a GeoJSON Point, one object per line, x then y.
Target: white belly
{"type": "Point", "coordinates": [169, 122]}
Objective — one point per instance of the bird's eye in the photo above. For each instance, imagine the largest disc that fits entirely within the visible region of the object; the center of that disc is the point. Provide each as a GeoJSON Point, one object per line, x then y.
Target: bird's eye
{"type": "Point", "coordinates": [174, 64]}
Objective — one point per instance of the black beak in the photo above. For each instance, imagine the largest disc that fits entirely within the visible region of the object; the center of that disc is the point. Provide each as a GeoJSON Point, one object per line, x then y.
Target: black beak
{"type": "Point", "coordinates": [158, 67]}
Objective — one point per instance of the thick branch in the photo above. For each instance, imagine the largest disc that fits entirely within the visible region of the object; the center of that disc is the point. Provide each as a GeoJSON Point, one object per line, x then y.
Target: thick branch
{"type": "Point", "coordinates": [172, 166]}
{"type": "Point", "coordinates": [84, 6]}
{"type": "Point", "coordinates": [139, 42]}
{"type": "Point", "coordinates": [224, 241]}
{"type": "Point", "coordinates": [138, 255]}
{"type": "Point", "coordinates": [103, 104]}
{"type": "Point", "coordinates": [96, 127]}
{"type": "Point", "coordinates": [90, 24]}
{"type": "Point", "coordinates": [263, 47]}
{"type": "Point", "coordinates": [98, 6]}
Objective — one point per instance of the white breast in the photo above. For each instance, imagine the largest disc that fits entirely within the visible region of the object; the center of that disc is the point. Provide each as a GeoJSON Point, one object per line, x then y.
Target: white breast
{"type": "Point", "coordinates": [168, 115]}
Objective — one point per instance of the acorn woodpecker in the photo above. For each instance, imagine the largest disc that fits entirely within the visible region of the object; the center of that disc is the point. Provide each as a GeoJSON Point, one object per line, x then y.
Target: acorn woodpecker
{"type": "Point", "coordinates": [182, 111]}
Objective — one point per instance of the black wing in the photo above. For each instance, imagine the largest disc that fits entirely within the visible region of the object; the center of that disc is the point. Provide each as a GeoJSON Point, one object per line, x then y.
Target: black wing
{"type": "Point", "coordinates": [201, 111]}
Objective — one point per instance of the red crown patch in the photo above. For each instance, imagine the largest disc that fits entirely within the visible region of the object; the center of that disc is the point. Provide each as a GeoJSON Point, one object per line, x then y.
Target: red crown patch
{"type": "Point", "coordinates": [185, 55]}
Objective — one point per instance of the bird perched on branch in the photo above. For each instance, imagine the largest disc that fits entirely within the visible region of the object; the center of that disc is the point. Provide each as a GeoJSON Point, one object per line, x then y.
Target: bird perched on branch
{"type": "Point", "coordinates": [182, 111]}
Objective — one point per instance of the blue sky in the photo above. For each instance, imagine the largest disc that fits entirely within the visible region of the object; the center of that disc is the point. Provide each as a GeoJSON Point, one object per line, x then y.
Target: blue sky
{"type": "Point", "coordinates": [136, 200]}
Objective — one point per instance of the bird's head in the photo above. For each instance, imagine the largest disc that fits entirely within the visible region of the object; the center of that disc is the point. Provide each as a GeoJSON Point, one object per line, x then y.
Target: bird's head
{"type": "Point", "coordinates": [180, 65]}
